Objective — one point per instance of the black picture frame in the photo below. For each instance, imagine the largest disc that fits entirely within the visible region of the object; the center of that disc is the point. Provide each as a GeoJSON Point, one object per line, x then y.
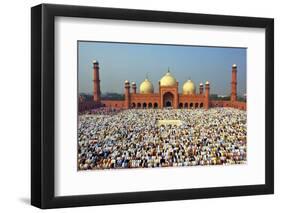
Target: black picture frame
{"type": "Point", "coordinates": [43, 105]}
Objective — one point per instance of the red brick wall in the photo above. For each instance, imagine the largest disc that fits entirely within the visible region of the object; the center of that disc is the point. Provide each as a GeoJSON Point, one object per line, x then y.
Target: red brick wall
{"type": "Point", "coordinates": [235, 104]}
{"type": "Point", "coordinates": [150, 100]}
{"type": "Point", "coordinates": [117, 104]}
{"type": "Point", "coordinates": [192, 101]}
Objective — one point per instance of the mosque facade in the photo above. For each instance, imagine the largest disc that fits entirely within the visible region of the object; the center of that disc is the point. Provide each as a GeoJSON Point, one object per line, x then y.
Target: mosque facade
{"type": "Point", "coordinates": [168, 94]}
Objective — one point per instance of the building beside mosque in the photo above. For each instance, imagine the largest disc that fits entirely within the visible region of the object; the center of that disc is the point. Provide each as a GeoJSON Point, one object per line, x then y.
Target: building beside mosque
{"type": "Point", "coordinates": [168, 94]}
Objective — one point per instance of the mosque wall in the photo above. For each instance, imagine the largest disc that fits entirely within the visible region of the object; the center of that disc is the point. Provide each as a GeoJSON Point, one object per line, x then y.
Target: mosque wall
{"type": "Point", "coordinates": [138, 100]}
{"type": "Point", "coordinates": [153, 101]}
{"type": "Point", "coordinates": [234, 104]}
{"type": "Point", "coordinates": [117, 104]}
{"type": "Point", "coordinates": [191, 101]}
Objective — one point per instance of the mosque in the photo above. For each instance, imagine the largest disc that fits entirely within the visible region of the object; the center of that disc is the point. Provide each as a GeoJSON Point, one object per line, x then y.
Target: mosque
{"type": "Point", "coordinates": [168, 94]}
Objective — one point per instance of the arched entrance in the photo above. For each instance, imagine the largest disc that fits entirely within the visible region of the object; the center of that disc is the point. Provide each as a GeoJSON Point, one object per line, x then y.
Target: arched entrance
{"type": "Point", "coordinates": [144, 105]}
{"type": "Point", "coordinates": [168, 99]}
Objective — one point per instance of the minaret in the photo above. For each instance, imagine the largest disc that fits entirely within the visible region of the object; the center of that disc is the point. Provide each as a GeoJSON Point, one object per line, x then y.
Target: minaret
{"type": "Point", "coordinates": [207, 94]}
{"type": "Point", "coordinates": [134, 87]}
{"type": "Point", "coordinates": [96, 81]}
{"type": "Point", "coordinates": [127, 94]}
{"type": "Point", "coordinates": [233, 96]}
{"type": "Point", "coordinates": [201, 88]}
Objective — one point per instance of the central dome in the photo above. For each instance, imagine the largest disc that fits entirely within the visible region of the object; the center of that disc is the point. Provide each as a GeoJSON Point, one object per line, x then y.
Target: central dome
{"type": "Point", "coordinates": [168, 80]}
{"type": "Point", "coordinates": [188, 88]}
{"type": "Point", "coordinates": [146, 87]}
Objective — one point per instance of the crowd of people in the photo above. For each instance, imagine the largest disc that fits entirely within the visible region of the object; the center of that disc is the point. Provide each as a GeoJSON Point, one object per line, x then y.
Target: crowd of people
{"type": "Point", "coordinates": [101, 111]}
{"type": "Point", "coordinates": [132, 138]}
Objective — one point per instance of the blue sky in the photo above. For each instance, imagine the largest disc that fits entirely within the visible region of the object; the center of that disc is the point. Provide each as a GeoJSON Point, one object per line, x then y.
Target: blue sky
{"type": "Point", "coordinates": [125, 61]}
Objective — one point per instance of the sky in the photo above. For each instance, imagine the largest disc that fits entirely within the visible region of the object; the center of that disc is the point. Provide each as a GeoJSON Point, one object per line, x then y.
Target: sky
{"type": "Point", "coordinates": [129, 61]}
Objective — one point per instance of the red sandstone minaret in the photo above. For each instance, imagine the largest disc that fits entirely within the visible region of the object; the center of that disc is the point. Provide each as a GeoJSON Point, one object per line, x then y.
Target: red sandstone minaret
{"type": "Point", "coordinates": [127, 94]}
{"type": "Point", "coordinates": [233, 96]}
{"type": "Point", "coordinates": [134, 87]}
{"type": "Point", "coordinates": [207, 94]}
{"type": "Point", "coordinates": [96, 81]}
{"type": "Point", "coordinates": [201, 88]}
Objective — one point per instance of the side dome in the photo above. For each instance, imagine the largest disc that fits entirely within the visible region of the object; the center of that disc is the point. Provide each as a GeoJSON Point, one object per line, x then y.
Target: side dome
{"type": "Point", "coordinates": [188, 88]}
{"type": "Point", "coordinates": [168, 80]}
{"type": "Point", "coordinates": [146, 87]}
